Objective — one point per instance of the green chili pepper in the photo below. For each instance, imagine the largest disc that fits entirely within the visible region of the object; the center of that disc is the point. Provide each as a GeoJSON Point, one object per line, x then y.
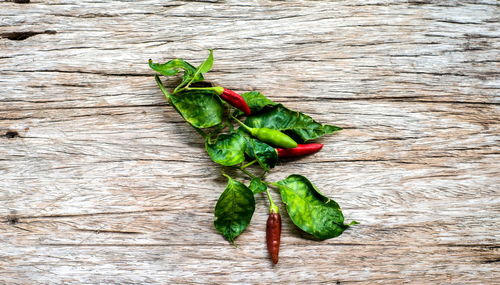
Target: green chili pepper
{"type": "Point", "coordinates": [271, 136]}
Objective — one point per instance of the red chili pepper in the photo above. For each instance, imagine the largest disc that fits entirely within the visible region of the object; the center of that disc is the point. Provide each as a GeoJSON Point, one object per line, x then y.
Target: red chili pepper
{"type": "Point", "coordinates": [273, 235]}
{"type": "Point", "coordinates": [300, 150]}
{"type": "Point", "coordinates": [233, 98]}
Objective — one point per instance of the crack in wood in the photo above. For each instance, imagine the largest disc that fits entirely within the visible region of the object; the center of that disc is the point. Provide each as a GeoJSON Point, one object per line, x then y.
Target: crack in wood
{"type": "Point", "coordinates": [84, 72]}
{"type": "Point", "coordinates": [20, 36]}
{"type": "Point", "coordinates": [19, 1]}
{"type": "Point", "coordinates": [98, 214]}
{"type": "Point", "coordinates": [97, 231]}
{"type": "Point", "coordinates": [11, 134]}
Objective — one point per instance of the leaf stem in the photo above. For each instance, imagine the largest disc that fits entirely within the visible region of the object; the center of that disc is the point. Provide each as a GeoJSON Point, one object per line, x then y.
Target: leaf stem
{"type": "Point", "coordinates": [248, 164]}
{"type": "Point", "coordinates": [199, 131]}
{"type": "Point", "coordinates": [272, 206]}
{"type": "Point", "coordinates": [167, 96]}
{"type": "Point", "coordinates": [202, 65]}
{"type": "Point", "coordinates": [217, 130]}
{"type": "Point", "coordinates": [247, 172]}
{"type": "Point", "coordinates": [178, 89]}
{"type": "Point", "coordinates": [162, 88]}
{"type": "Point", "coordinates": [271, 184]}
{"type": "Point", "coordinates": [263, 175]}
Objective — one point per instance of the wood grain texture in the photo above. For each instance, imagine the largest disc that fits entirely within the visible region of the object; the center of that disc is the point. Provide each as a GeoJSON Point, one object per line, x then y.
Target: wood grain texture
{"type": "Point", "coordinates": [102, 183]}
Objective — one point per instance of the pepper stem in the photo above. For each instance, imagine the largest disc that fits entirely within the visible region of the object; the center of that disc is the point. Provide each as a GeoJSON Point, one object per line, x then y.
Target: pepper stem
{"type": "Point", "coordinates": [272, 206]}
{"type": "Point", "coordinates": [216, 89]}
{"type": "Point", "coordinates": [247, 128]}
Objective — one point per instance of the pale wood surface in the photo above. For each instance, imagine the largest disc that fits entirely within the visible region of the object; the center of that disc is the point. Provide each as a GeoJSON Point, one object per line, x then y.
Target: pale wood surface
{"type": "Point", "coordinates": [104, 183]}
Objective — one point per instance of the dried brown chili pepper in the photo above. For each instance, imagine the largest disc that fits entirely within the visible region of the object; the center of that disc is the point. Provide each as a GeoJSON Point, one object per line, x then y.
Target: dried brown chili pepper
{"type": "Point", "coordinates": [273, 233]}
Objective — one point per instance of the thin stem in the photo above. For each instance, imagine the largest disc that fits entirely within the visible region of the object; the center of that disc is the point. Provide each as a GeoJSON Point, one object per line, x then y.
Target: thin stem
{"type": "Point", "coordinates": [274, 184]}
{"type": "Point", "coordinates": [191, 81]}
{"type": "Point", "coordinates": [167, 96]}
{"type": "Point", "coordinates": [272, 206]}
{"type": "Point", "coordinates": [247, 173]}
{"type": "Point", "coordinates": [217, 130]}
{"type": "Point", "coordinates": [248, 164]}
{"type": "Point", "coordinates": [216, 89]}
{"type": "Point", "coordinates": [194, 76]}
{"type": "Point", "coordinates": [178, 89]}
{"type": "Point", "coordinates": [263, 175]}
{"type": "Point", "coordinates": [199, 88]}
{"type": "Point", "coordinates": [241, 124]}
{"type": "Point", "coordinates": [162, 88]}
{"type": "Point", "coordinates": [199, 131]}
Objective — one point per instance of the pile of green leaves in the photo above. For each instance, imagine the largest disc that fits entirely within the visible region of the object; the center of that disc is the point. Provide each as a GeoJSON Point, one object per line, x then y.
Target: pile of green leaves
{"type": "Point", "coordinates": [232, 147]}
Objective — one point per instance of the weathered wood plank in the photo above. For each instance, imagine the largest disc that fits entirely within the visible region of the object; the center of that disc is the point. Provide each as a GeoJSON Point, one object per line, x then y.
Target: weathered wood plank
{"type": "Point", "coordinates": [101, 182]}
{"type": "Point", "coordinates": [156, 264]}
{"type": "Point", "coordinates": [421, 49]}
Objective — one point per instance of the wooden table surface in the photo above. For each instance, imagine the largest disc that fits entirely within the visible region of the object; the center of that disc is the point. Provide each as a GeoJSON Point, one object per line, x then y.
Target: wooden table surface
{"type": "Point", "coordinates": [102, 183]}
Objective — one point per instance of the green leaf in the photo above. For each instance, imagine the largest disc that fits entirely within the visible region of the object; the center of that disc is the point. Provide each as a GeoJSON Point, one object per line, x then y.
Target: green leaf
{"type": "Point", "coordinates": [227, 150]}
{"type": "Point", "coordinates": [207, 64]}
{"type": "Point", "coordinates": [298, 125]}
{"type": "Point", "coordinates": [266, 155]}
{"type": "Point", "coordinates": [309, 209]}
{"type": "Point", "coordinates": [234, 209]}
{"type": "Point", "coordinates": [256, 101]}
{"type": "Point", "coordinates": [172, 67]}
{"type": "Point", "coordinates": [257, 186]}
{"type": "Point", "coordinates": [162, 88]}
{"type": "Point", "coordinates": [202, 68]}
{"type": "Point", "coordinates": [201, 108]}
